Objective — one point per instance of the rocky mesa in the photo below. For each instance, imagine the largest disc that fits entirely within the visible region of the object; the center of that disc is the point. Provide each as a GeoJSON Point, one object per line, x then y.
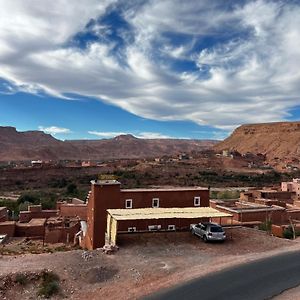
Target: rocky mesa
{"type": "Point", "coordinates": [280, 140]}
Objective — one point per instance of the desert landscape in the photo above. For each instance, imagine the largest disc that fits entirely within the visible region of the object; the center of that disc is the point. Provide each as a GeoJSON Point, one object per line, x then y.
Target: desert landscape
{"type": "Point", "coordinates": [150, 150]}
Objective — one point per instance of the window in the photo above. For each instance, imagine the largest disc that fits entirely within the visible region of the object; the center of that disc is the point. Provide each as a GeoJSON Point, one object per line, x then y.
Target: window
{"type": "Point", "coordinates": [131, 229]}
{"type": "Point", "coordinates": [155, 202]}
{"type": "Point", "coordinates": [154, 227]}
{"type": "Point", "coordinates": [128, 203]}
{"type": "Point", "coordinates": [196, 201]}
{"type": "Point", "coordinates": [171, 227]}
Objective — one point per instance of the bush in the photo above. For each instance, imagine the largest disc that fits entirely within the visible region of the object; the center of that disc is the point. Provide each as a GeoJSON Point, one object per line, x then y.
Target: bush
{"type": "Point", "coordinates": [266, 226]}
{"type": "Point", "coordinates": [27, 198]}
{"type": "Point", "coordinates": [288, 233]}
{"type": "Point", "coordinates": [21, 279]}
{"type": "Point", "coordinates": [50, 284]}
{"type": "Point", "coordinates": [72, 189]}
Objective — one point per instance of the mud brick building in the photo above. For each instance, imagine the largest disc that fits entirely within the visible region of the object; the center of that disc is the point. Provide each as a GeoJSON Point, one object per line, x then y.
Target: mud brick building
{"type": "Point", "coordinates": [292, 186]}
{"type": "Point", "coordinates": [107, 194]}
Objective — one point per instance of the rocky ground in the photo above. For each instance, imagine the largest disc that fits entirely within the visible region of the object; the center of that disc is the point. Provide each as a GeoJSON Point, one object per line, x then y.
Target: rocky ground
{"type": "Point", "coordinates": [144, 263]}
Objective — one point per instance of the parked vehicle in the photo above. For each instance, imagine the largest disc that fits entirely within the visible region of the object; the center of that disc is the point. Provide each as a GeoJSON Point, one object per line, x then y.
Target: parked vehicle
{"type": "Point", "coordinates": [209, 231]}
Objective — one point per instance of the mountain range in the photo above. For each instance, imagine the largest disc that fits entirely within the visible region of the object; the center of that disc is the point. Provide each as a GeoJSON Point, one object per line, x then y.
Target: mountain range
{"type": "Point", "coordinates": [32, 145]}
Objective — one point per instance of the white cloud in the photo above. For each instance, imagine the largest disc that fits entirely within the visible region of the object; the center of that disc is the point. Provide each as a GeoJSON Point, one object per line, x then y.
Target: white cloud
{"type": "Point", "coordinates": [253, 77]}
{"type": "Point", "coordinates": [55, 130]}
{"type": "Point", "coordinates": [153, 135]}
{"type": "Point", "coordinates": [106, 134]}
{"type": "Point", "coordinates": [140, 135]}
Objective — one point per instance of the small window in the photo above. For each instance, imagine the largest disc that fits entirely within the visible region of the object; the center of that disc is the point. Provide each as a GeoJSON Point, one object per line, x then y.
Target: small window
{"type": "Point", "coordinates": [154, 227]}
{"type": "Point", "coordinates": [128, 203]}
{"type": "Point", "coordinates": [196, 201]}
{"type": "Point", "coordinates": [171, 227]}
{"type": "Point", "coordinates": [155, 202]}
{"type": "Point", "coordinates": [131, 229]}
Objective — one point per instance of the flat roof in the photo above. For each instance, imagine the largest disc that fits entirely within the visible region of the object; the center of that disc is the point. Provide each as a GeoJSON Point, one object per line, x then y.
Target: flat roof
{"type": "Point", "coordinates": [175, 189]}
{"type": "Point", "coordinates": [166, 213]}
{"type": "Point", "coordinates": [105, 182]}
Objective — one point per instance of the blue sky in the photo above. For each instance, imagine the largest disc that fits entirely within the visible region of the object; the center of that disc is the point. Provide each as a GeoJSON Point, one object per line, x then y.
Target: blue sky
{"type": "Point", "coordinates": [155, 69]}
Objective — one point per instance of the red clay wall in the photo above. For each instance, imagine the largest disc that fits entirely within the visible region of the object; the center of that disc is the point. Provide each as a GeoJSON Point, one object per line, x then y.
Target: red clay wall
{"type": "Point", "coordinates": [177, 198]}
{"type": "Point", "coordinates": [8, 227]}
{"type": "Point", "coordinates": [142, 225]}
{"type": "Point", "coordinates": [277, 216]}
{"type": "Point", "coordinates": [29, 230]}
{"type": "Point", "coordinates": [61, 234]}
{"type": "Point", "coordinates": [73, 210]}
{"type": "Point", "coordinates": [109, 196]}
{"type": "Point", "coordinates": [26, 216]}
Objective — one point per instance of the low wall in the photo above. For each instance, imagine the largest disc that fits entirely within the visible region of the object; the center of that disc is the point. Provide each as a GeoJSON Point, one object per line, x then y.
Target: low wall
{"type": "Point", "coordinates": [35, 228]}
{"type": "Point", "coordinates": [61, 234]}
{"type": "Point", "coordinates": [277, 215]}
{"type": "Point", "coordinates": [8, 227]}
{"type": "Point", "coordinates": [26, 216]}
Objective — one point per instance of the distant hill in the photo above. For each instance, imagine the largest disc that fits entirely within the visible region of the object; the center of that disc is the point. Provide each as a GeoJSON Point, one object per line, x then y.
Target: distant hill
{"type": "Point", "coordinates": [276, 140]}
{"type": "Point", "coordinates": [30, 145]}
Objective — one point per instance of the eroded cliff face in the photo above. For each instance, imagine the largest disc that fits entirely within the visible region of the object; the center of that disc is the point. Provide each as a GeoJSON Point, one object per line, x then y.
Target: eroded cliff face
{"type": "Point", "coordinates": [277, 140]}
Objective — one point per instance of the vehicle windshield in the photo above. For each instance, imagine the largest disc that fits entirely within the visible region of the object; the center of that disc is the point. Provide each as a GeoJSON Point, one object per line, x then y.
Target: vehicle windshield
{"type": "Point", "coordinates": [216, 229]}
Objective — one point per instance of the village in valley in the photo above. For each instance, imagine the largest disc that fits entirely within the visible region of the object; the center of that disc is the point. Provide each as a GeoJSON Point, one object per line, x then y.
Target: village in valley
{"type": "Point", "coordinates": [101, 230]}
{"type": "Point", "coordinates": [150, 150]}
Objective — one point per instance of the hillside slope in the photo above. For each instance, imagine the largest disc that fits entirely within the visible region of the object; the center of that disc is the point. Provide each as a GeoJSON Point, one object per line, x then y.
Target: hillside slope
{"type": "Point", "coordinates": [276, 140]}
{"type": "Point", "coordinates": [31, 145]}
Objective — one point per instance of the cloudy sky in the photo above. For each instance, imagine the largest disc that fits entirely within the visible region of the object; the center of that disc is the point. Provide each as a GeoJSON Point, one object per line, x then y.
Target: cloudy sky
{"type": "Point", "coordinates": [165, 68]}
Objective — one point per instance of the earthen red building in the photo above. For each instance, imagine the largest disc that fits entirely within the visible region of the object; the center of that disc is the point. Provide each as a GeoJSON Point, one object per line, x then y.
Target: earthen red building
{"type": "Point", "coordinates": [108, 195]}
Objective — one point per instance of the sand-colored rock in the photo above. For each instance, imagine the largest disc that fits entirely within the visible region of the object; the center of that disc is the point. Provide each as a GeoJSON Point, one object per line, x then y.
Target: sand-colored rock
{"type": "Point", "coordinates": [275, 140]}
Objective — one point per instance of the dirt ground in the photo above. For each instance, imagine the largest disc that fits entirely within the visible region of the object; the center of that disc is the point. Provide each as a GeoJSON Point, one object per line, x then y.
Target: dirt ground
{"type": "Point", "coordinates": [143, 264]}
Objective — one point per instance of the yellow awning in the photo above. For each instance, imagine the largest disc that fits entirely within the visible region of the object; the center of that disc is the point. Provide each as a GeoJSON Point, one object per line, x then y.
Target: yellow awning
{"type": "Point", "coordinates": [166, 213]}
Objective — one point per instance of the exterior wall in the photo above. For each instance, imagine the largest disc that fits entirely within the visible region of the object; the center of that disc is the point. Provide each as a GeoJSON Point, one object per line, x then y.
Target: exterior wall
{"type": "Point", "coordinates": [292, 186]}
{"type": "Point", "coordinates": [102, 198]}
{"type": "Point", "coordinates": [8, 227]}
{"type": "Point", "coordinates": [293, 214]}
{"type": "Point", "coordinates": [176, 198]}
{"type": "Point", "coordinates": [26, 216]}
{"type": "Point", "coordinates": [3, 214]}
{"type": "Point", "coordinates": [73, 210]}
{"type": "Point", "coordinates": [250, 215]}
{"type": "Point", "coordinates": [284, 195]}
{"type": "Point", "coordinates": [109, 196]}
{"type": "Point", "coordinates": [31, 229]}
{"type": "Point", "coordinates": [142, 225]}
{"type": "Point", "coordinates": [61, 234]}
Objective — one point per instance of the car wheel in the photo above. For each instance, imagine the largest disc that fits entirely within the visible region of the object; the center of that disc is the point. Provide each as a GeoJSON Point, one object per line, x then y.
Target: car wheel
{"type": "Point", "coordinates": [205, 239]}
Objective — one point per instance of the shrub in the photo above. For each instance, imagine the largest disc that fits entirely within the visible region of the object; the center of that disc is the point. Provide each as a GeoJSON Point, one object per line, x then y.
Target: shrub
{"type": "Point", "coordinates": [266, 226]}
{"type": "Point", "coordinates": [72, 189]}
{"type": "Point", "coordinates": [50, 284]}
{"type": "Point", "coordinates": [29, 199]}
{"type": "Point", "coordinates": [288, 233]}
{"type": "Point", "coordinates": [21, 279]}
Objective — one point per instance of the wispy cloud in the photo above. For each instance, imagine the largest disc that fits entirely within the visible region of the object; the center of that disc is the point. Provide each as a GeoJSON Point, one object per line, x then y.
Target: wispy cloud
{"type": "Point", "coordinates": [249, 74]}
{"type": "Point", "coordinates": [153, 135]}
{"type": "Point", "coordinates": [55, 130]}
{"type": "Point", "coordinates": [140, 135]}
{"type": "Point", "coordinates": [106, 134]}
